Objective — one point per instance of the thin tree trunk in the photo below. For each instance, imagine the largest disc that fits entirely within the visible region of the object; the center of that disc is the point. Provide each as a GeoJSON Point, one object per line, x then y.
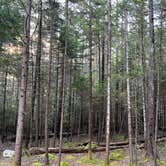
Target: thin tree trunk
{"type": "Point", "coordinates": [63, 81]}
{"type": "Point", "coordinates": [151, 111]}
{"type": "Point", "coordinates": [158, 84]}
{"type": "Point", "coordinates": [23, 88]}
{"type": "Point", "coordinates": [108, 84]}
{"type": "Point", "coordinates": [3, 128]}
{"type": "Point", "coordinates": [39, 48]}
{"type": "Point", "coordinates": [90, 84]}
{"type": "Point", "coordinates": [128, 87]}
{"type": "Point", "coordinates": [48, 94]}
{"type": "Point", "coordinates": [143, 75]}
{"type": "Point", "coordinates": [56, 98]}
{"type": "Point", "coordinates": [102, 88]}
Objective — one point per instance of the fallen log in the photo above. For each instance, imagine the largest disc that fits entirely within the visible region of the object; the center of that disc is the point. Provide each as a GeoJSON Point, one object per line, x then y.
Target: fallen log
{"type": "Point", "coordinates": [160, 139]}
{"type": "Point", "coordinates": [37, 151]}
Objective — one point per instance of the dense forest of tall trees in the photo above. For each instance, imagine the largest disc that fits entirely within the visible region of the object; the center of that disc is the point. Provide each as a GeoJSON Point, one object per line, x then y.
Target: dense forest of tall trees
{"type": "Point", "coordinates": [89, 71]}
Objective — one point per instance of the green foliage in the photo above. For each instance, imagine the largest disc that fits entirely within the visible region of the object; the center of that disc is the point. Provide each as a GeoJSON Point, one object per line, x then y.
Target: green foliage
{"type": "Point", "coordinates": [64, 163]}
{"type": "Point", "coordinates": [87, 162]}
{"type": "Point", "coordinates": [37, 164]}
{"type": "Point", "coordinates": [119, 137]}
{"type": "Point", "coordinates": [117, 155]}
{"type": "Point", "coordinates": [69, 144]}
{"type": "Point", "coordinates": [52, 156]}
{"type": "Point", "coordinates": [114, 163]}
{"type": "Point", "coordinates": [161, 163]}
{"type": "Point", "coordinates": [69, 157]}
{"type": "Point", "coordinates": [11, 21]}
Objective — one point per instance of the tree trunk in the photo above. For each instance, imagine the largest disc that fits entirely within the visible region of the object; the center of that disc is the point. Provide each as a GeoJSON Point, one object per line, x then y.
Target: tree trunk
{"type": "Point", "coordinates": [151, 111]}
{"type": "Point", "coordinates": [108, 83]}
{"type": "Point", "coordinates": [3, 128]}
{"type": "Point", "coordinates": [128, 87]}
{"type": "Point", "coordinates": [48, 94]}
{"type": "Point", "coordinates": [63, 81]}
{"type": "Point", "coordinates": [158, 83]}
{"type": "Point", "coordinates": [90, 84]}
{"type": "Point", "coordinates": [39, 48]}
{"type": "Point", "coordinates": [23, 88]}
{"type": "Point", "coordinates": [56, 97]}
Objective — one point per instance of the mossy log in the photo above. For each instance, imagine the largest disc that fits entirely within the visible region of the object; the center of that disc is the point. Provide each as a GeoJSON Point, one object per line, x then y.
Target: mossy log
{"type": "Point", "coordinates": [115, 145]}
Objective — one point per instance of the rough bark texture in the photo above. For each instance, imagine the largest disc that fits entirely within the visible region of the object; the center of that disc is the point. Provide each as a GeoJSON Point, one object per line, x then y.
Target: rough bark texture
{"type": "Point", "coordinates": [38, 58]}
{"type": "Point", "coordinates": [151, 111]}
{"type": "Point", "coordinates": [23, 88]}
{"type": "Point", "coordinates": [90, 83]}
{"type": "Point", "coordinates": [63, 81]}
{"type": "Point", "coordinates": [3, 125]}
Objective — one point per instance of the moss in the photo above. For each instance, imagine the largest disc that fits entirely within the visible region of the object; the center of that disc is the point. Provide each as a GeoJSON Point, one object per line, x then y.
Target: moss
{"type": "Point", "coordinates": [37, 164]}
{"type": "Point", "coordinates": [114, 163]}
{"type": "Point", "coordinates": [52, 156]}
{"type": "Point", "coordinates": [119, 137]}
{"type": "Point", "coordinates": [69, 157]}
{"type": "Point", "coordinates": [161, 163]}
{"type": "Point", "coordinates": [69, 144]}
{"type": "Point", "coordinates": [117, 155]}
{"type": "Point", "coordinates": [144, 160]}
{"type": "Point", "coordinates": [87, 162]}
{"type": "Point", "coordinates": [63, 163]}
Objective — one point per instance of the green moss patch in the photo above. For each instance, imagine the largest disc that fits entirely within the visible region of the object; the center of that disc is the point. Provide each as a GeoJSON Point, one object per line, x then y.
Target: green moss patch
{"type": "Point", "coordinates": [117, 155]}
{"type": "Point", "coordinates": [50, 156]}
{"type": "Point", "coordinates": [37, 164]}
{"type": "Point", "coordinates": [161, 163]}
{"type": "Point", "coordinates": [69, 157]}
{"type": "Point", "coordinates": [87, 162]}
{"type": "Point", "coordinates": [63, 163]}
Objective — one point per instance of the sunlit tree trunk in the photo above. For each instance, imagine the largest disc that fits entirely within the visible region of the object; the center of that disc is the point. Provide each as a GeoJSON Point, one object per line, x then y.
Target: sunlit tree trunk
{"type": "Point", "coordinates": [23, 88]}
{"type": "Point", "coordinates": [158, 82]}
{"type": "Point", "coordinates": [108, 85]}
{"type": "Point", "coordinates": [128, 86]}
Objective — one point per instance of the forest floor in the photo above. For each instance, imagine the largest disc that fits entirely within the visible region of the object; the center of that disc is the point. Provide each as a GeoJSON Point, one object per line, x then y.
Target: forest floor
{"type": "Point", "coordinates": [118, 157]}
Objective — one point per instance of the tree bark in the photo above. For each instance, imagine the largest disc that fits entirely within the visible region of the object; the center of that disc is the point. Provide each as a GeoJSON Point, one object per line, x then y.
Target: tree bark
{"type": "Point", "coordinates": [63, 81]}
{"type": "Point", "coordinates": [48, 94]}
{"type": "Point", "coordinates": [3, 128]}
{"type": "Point", "coordinates": [23, 88]}
{"type": "Point", "coordinates": [128, 87]}
{"type": "Point", "coordinates": [151, 111]}
{"type": "Point", "coordinates": [108, 83]}
{"type": "Point", "coordinates": [90, 84]}
{"type": "Point", "coordinates": [39, 48]}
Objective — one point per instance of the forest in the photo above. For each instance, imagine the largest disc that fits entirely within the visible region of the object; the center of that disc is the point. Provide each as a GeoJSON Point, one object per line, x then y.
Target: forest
{"type": "Point", "coordinates": [82, 83]}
